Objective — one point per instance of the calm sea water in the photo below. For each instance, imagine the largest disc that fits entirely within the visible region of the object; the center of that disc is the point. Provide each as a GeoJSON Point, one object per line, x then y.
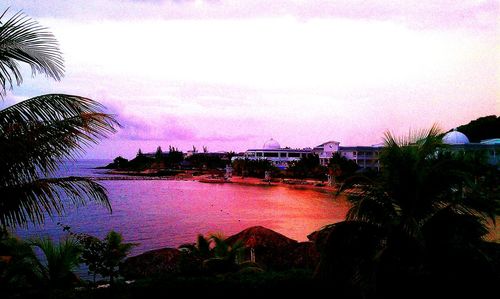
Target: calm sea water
{"type": "Point", "coordinates": [166, 213]}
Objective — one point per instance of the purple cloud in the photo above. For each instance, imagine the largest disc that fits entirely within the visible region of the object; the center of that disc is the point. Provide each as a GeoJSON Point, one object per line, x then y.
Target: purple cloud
{"type": "Point", "coordinates": [226, 138]}
{"type": "Point", "coordinates": [170, 128]}
{"type": "Point", "coordinates": [165, 128]}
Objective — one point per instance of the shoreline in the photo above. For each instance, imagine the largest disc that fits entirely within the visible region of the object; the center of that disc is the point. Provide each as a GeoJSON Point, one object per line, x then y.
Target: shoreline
{"type": "Point", "coordinates": [301, 184]}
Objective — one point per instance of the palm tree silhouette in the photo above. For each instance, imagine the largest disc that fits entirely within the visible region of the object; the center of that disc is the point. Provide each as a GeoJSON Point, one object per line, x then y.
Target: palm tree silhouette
{"type": "Point", "coordinates": [24, 40]}
{"type": "Point", "coordinates": [60, 261]}
{"type": "Point", "coordinates": [37, 134]}
{"type": "Point", "coordinates": [422, 220]}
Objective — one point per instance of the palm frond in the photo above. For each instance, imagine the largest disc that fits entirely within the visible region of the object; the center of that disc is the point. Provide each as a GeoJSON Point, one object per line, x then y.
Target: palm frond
{"type": "Point", "coordinates": [22, 39]}
{"type": "Point", "coordinates": [60, 259]}
{"type": "Point", "coordinates": [372, 208]}
{"type": "Point", "coordinates": [46, 108]}
{"type": "Point", "coordinates": [429, 142]}
{"type": "Point", "coordinates": [221, 248]}
{"type": "Point", "coordinates": [39, 133]}
{"type": "Point", "coordinates": [203, 245]}
{"type": "Point", "coordinates": [414, 137]}
{"type": "Point", "coordinates": [32, 202]}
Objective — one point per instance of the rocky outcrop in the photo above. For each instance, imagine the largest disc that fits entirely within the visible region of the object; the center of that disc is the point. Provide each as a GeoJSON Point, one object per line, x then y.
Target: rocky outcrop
{"type": "Point", "coordinates": [151, 263]}
{"type": "Point", "coordinates": [274, 250]}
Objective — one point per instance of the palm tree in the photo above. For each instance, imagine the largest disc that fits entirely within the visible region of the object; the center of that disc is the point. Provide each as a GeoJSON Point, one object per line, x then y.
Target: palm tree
{"type": "Point", "coordinates": [36, 135]}
{"type": "Point", "coordinates": [60, 261]}
{"type": "Point", "coordinates": [419, 221]}
{"type": "Point", "coordinates": [114, 251]}
{"type": "Point", "coordinates": [201, 249]}
{"type": "Point", "coordinates": [224, 250]}
{"type": "Point", "coordinates": [24, 40]}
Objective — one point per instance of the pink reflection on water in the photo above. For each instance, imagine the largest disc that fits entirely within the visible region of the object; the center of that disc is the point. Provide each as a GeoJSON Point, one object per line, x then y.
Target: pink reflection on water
{"type": "Point", "coordinates": [177, 211]}
{"type": "Point", "coordinates": [163, 213]}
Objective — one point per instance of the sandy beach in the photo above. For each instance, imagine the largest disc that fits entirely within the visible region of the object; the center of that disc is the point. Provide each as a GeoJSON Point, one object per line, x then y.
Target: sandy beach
{"type": "Point", "coordinates": [308, 184]}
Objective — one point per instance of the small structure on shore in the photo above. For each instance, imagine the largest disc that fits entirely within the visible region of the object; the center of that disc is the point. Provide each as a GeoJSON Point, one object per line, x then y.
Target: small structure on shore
{"type": "Point", "coordinates": [229, 172]}
{"type": "Point", "coordinates": [267, 176]}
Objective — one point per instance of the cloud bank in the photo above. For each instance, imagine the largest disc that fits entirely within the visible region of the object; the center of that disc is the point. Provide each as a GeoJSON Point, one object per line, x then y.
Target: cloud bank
{"type": "Point", "coordinates": [418, 14]}
{"type": "Point", "coordinates": [231, 74]}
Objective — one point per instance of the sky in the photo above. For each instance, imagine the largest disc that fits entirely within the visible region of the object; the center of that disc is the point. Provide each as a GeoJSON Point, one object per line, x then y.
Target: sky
{"type": "Point", "coordinates": [229, 75]}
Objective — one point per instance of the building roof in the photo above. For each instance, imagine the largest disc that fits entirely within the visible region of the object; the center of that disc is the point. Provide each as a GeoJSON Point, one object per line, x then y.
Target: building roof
{"type": "Point", "coordinates": [271, 144]}
{"type": "Point", "coordinates": [476, 146]}
{"type": "Point", "coordinates": [455, 137]}
{"type": "Point", "coordinates": [289, 150]}
{"type": "Point", "coordinates": [323, 144]}
{"type": "Point", "coordinates": [359, 148]}
{"type": "Point", "coordinates": [491, 141]}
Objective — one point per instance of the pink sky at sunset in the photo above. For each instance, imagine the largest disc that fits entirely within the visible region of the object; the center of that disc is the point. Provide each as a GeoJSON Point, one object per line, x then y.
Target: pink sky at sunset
{"type": "Point", "coordinates": [231, 74]}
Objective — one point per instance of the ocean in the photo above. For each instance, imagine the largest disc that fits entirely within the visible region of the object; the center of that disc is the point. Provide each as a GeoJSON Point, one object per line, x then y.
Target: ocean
{"type": "Point", "coordinates": [167, 213]}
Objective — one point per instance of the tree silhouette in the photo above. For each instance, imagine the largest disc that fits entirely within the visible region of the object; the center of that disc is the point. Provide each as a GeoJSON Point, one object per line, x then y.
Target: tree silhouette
{"type": "Point", "coordinates": [419, 225]}
{"type": "Point", "coordinates": [37, 134]}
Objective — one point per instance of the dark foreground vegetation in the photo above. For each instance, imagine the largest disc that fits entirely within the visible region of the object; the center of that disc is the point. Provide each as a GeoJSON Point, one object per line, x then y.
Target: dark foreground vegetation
{"type": "Point", "coordinates": [213, 263]}
{"type": "Point", "coordinates": [214, 266]}
{"type": "Point", "coordinates": [241, 285]}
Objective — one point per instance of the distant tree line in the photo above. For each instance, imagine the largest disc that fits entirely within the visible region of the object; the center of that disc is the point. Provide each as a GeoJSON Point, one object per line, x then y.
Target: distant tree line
{"type": "Point", "coordinates": [482, 128]}
{"type": "Point", "coordinates": [308, 166]}
{"type": "Point", "coordinates": [172, 159]}
{"type": "Point", "coordinates": [254, 168]}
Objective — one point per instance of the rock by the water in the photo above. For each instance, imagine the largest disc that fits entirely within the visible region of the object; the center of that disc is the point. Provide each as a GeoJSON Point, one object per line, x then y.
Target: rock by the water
{"type": "Point", "coordinates": [151, 263]}
{"type": "Point", "coordinates": [272, 251]}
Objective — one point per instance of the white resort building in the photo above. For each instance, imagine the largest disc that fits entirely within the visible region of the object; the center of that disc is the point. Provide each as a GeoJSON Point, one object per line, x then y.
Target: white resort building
{"type": "Point", "coordinates": [367, 157]}
{"type": "Point", "coordinates": [272, 151]}
{"type": "Point", "coordinates": [459, 142]}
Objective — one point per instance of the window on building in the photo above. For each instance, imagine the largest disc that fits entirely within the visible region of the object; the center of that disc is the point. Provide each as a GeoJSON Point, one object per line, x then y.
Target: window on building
{"type": "Point", "coordinates": [271, 155]}
{"type": "Point", "coordinates": [294, 155]}
{"type": "Point", "coordinates": [258, 154]}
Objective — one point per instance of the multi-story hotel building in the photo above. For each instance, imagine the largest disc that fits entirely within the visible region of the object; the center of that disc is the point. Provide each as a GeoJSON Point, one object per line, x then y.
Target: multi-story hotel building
{"type": "Point", "coordinates": [273, 152]}
{"type": "Point", "coordinates": [367, 157]}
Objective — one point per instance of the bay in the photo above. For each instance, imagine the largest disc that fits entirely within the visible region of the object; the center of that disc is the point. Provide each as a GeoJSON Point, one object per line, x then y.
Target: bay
{"type": "Point", "coordinates": [168, 213]}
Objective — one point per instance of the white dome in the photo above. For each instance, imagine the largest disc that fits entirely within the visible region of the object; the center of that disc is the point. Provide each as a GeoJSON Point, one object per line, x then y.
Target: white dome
{"type": "Point", "coordinates": [455, 137]}
{"type": "Point", "coordinates": [271, 144]}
